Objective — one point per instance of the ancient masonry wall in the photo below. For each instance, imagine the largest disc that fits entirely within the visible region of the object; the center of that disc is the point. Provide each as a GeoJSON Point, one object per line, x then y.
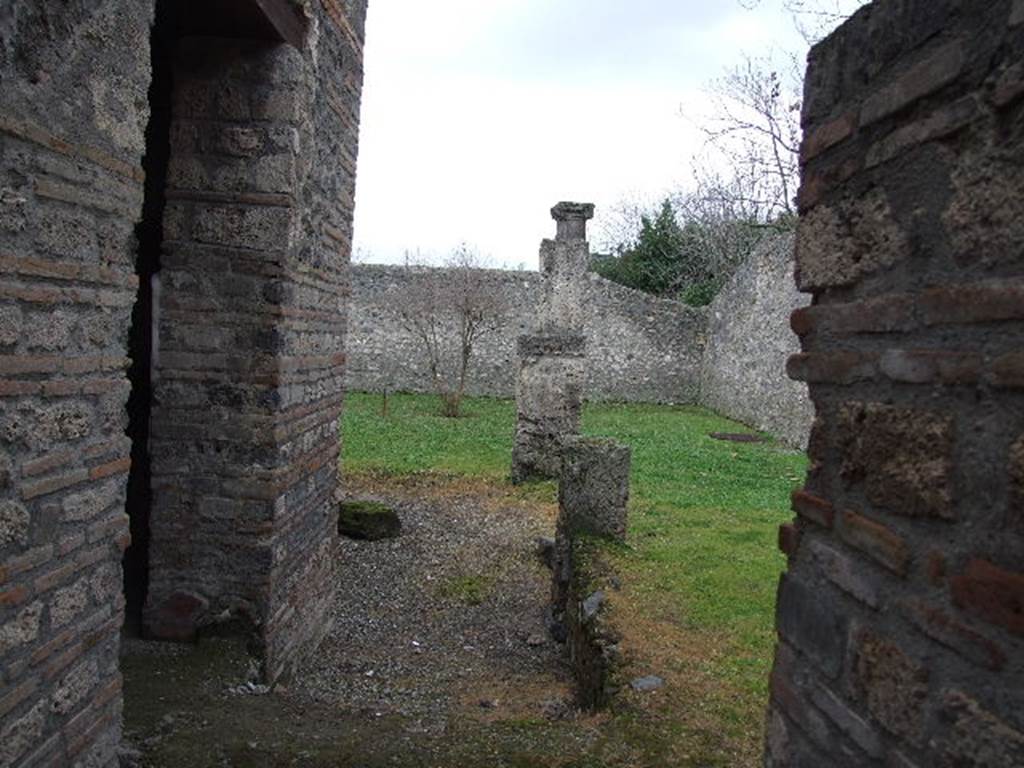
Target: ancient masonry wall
{"type": "Point", "coordinates": [248, 381]}
{"type": "Point", "coordinates": [73, 107]}
{"type": "Point", "coordinates": [748, 341]}
{"type": "Point", "coordinates": [248, 370]}
{"type": "Point", "coordinates": [641, 348]}
{"type": "Point", "coordinates": [901, 631]}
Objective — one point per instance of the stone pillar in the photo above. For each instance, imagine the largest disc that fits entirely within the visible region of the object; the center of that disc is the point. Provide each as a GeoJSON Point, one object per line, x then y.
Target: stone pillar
{"type": "Point", "coordinates": [549, 389]}
{"type": "Point", "coordinates": [593, 491]}
{"type": "Point", "coordinates": [901, 616]}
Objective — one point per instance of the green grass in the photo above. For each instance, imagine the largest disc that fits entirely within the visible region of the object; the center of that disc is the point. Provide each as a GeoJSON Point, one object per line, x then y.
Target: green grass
{"type": "Point", "coordinates": [703, 513]}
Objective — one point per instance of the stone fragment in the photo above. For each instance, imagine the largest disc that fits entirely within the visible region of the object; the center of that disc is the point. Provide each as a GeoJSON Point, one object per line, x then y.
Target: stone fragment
{"type": "Point", "coordinates": [647, 683]}
{"type": "Point", "coordinates": [369, 520]}
{"type": "Point", "coordinates": [22, 628]}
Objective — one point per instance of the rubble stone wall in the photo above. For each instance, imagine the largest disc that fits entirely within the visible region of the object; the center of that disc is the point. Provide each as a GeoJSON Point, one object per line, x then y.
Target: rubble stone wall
{"type": "Point", "coordinates": [639, 348]}
{"type": "Point", "coordinates": [901, 638]}
{"type": "Point", "coordinates": [748, 342]}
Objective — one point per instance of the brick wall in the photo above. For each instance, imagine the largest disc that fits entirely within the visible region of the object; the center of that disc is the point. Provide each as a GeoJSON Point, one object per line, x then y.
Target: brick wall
{"type": "Point", "coordinates": [248, 369]}
{"type": "Point", "coordinates": [252, 317]}
{"type": "Point", "coordinates": [901, 637]}
{"type": "Point", "coordinates": [72, 113]}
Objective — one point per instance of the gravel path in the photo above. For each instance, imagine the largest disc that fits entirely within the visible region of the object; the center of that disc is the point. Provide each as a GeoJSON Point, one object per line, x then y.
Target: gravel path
{"type": "Point", "coordinates": [445, 619]}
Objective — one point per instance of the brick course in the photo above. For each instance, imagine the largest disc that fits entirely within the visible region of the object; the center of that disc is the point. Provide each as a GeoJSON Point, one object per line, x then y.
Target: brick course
{"type": "Point", "coordinates": [911, 518]}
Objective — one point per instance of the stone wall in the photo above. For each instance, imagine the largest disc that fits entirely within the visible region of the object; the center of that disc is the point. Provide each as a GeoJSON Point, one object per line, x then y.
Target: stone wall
{"type": "Point", "coordinates": [748, 343]}
{"type": "Point", "coordinates": [72, 112]}
{"type": "Point", "coordinates": [248, 375]}
{"type": "Point", "coordinates": [901, 637]}
{"type": "Point", "coordinates": [639, 348]}
{"type": "Point", "coordinates": [251, 331]}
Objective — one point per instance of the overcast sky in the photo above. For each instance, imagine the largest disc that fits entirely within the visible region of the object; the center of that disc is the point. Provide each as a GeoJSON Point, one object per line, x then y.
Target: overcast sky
{"type": "Point", "coordinates": [479, 115]}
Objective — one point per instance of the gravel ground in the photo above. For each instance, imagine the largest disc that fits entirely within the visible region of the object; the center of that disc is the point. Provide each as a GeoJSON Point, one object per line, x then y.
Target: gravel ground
{"type": "Point", "coordinates": [446, 618]}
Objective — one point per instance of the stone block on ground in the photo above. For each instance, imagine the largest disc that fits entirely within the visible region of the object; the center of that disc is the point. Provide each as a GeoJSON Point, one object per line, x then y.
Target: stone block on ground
{"type": "Point", "coordinates": [368, 520]}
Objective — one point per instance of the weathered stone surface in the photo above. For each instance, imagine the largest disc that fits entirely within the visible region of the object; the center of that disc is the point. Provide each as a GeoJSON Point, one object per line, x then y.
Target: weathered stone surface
{"type": "Point", "coordinates": [838, 246]}
{"type": "Point", "coordinates": [978, 738]}
{"type": "Point", "coordinates": [901, 457]}
{"type": "Point", "coordinates": [549, 402]}
{"type": "Point", "coordinates": [642, 348]}
{"type": "Point", "coordinates": [368, 520]}
{"type": "Point", "coordinates": [747, 344]}
{"type": "Point", "coordinates": [893, 686]}
{"type": "Point", "coordinates": [14, 523]}
{"type": "Point", "coordinates": [593, 489]}
{"type": "Point", "coordinates": [811, 625]}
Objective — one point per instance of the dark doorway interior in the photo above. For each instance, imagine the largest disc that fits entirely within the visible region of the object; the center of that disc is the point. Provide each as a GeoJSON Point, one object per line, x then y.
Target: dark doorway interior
{"type": "Point", "coordinates": [147, 266]}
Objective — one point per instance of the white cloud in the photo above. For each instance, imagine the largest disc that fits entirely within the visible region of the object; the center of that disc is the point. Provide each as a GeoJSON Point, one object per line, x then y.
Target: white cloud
{"type": "Point", "coordinates": [478, 116]}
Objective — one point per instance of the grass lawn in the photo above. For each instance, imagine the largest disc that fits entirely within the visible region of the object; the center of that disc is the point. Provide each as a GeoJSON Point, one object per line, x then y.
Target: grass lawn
{"type": "Point", "coordinates": [701, 561]}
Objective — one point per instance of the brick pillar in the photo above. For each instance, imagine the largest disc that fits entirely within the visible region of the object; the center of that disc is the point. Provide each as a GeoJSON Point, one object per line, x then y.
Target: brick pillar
{"type": "Point", "coordinates": [549, 387]}
{"type": "Point", "coordinates": [248, 383]}
{"type": "Point", "coordinates": [901, 637]}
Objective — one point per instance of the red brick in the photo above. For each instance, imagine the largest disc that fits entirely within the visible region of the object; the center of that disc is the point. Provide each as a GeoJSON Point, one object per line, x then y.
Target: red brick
{"type": "Point", "coordinates": [875, 540]}
{"type": "Point", "coordinates": [43, 652]}
{"type": "Point", "coordinates": [12, 566]}
{"type": "Point", "coordinates": [985, 302]}
{"type": "Point", "coordinates": [10, 388]}
{"type": "Point", "coordinates": [1007, 371]}
{"type": "Point", "coordinates": [839, 367]}
{"type": "Point", "coordinates": [55, 577]}
{"type": "Point", "coordinates": [46, 463]}
{"type": "Point", "coordinates": [14, 596]}
{"type": "Point", "coordinates": [813, 508]}
{"type": "Point", "coordinates": [927, 76]}
{"type": "Point", "coordinates": [802, 321]}
{"type": "Point", "coordinates": [939, 124]}
{"type": "Point", "coordinates": [956, 635]}
{"type": "Point", "coordinates": [991, 593]}
{"type": "Point", "coordinates": [827, 135]}
{"type": "Point", "coordinates": [118, 466]}
{"type": "Point", "coordinates": [52, 484]}
{"type": "Point", "coordinates": [18, 694]}
{"type": "Point", "coordinates": [14, 364]}
{"type": "Point", "coordinates": [789, 539]}
{"type": "Point", "coordinates": [929, 366]}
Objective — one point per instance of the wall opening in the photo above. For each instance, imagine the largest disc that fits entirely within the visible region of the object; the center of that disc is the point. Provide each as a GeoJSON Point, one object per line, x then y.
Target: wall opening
{"type": "Point", "coordinates": [149, 234]}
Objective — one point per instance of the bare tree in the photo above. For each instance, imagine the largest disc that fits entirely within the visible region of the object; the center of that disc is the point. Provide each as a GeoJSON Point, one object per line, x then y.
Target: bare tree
{"type": "Point", "coordinates": [448, 311]}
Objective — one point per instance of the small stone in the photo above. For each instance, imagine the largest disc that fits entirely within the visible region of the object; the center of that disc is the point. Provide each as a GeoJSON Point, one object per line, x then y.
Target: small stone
{"type": "Point", "coordinates": [592, 605]}
{"type": "Point", "coordinates": [489, 703]}
{"type": "Point", "coordinates": [535, 640]}
{"type": "Point", "coordinates": [647, 683]}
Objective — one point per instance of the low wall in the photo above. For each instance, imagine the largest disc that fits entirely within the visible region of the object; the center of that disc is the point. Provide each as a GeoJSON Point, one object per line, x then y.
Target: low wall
{"type": "Point", "coordinates": [641, 348]}
{"type": "Point", "coordinates": [748, 343]}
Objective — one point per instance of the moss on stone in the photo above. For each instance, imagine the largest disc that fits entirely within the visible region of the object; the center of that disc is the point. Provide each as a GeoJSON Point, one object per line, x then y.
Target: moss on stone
{"type": "Point", "coordinates": [368, 520]}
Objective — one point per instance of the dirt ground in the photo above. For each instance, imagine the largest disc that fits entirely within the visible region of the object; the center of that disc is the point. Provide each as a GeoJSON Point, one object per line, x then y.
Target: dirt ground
{"type": "Point", "coordinates": [438, 658]}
